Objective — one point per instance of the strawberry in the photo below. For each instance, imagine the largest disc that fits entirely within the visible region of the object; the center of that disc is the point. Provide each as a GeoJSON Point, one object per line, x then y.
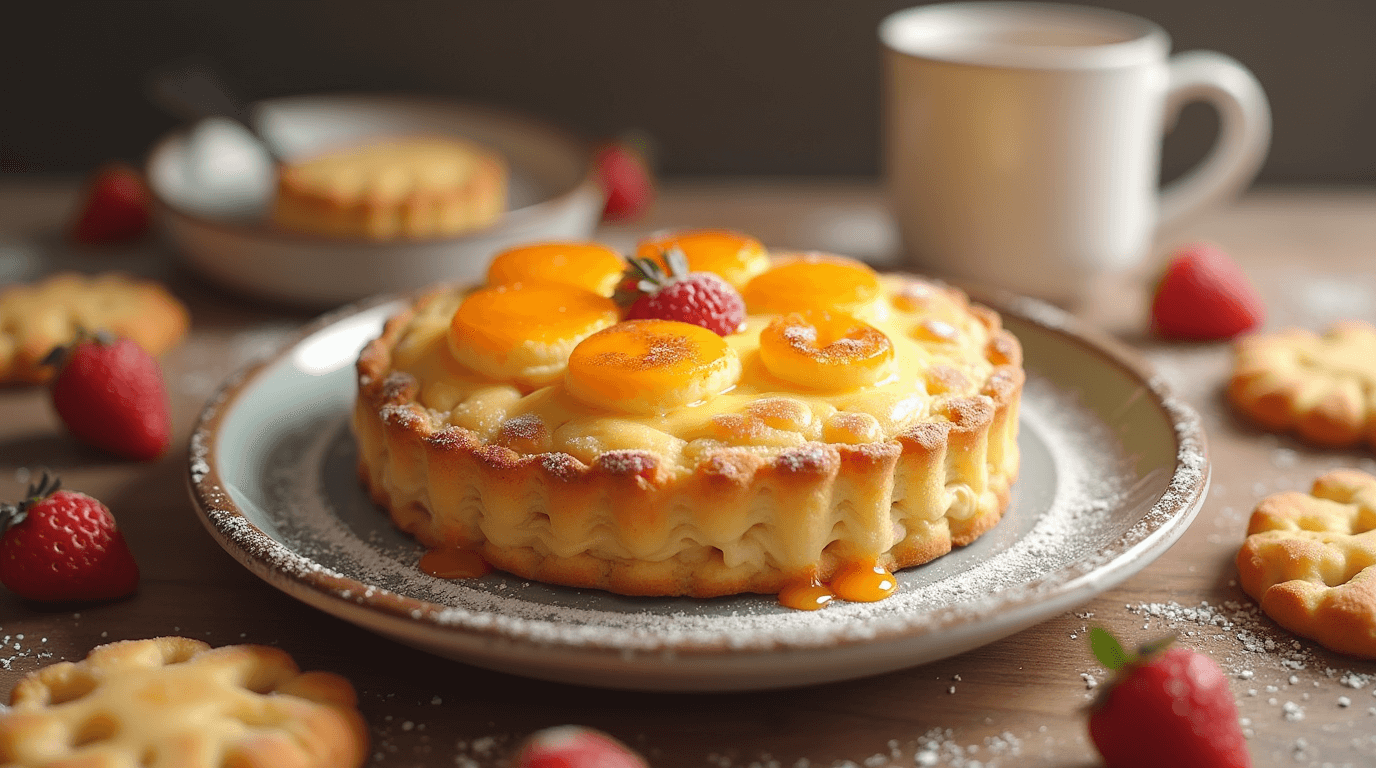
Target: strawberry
{"type": "Point", "coordinates": [573, 746]}
{"type": "Point", "coordinates": [1204, 296]}
{"type": "Point", "coordinates": [1168, 706]}
{"type": "Point", "coordinates": [700, 298]}
{"type": "Point", "coordinates": [60, 545]}
{"type": "Point", "coordinates": [110, 394]}
{"type": "Point", "coordinates": [626, 178]}
{"type": "Point", "coordinates": [117, 207]}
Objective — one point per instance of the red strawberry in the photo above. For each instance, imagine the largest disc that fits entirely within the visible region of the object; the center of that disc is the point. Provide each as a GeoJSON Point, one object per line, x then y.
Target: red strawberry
{"type": "Point", "coordinates": [1204, 296]}
{"type": "Point", "coordinates": [1168, 706]}
{"type": "Point", "coordinates": [700, 298]}
{"type": "Point", "coordinates": [61, 545]}
{"type": "Point", "coordinates": [573, 746]}
{"type": "Point", "coordinates": [627, 181]}
{"type": "Point", "coordinates": [117, 207]}
{"type": "Point", "coordinates": [110, 394]}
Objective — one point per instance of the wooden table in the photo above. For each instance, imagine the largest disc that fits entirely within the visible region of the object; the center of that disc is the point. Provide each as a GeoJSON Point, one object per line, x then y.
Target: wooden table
{"type": "Point", "coordinates": [1019, 701]}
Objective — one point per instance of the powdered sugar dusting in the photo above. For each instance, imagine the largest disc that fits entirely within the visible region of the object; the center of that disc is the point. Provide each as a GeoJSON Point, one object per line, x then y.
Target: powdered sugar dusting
{"type": "Point", "coordinates": [1077, 507]}
{"type": "Point", "coordinates": [1087, 511]}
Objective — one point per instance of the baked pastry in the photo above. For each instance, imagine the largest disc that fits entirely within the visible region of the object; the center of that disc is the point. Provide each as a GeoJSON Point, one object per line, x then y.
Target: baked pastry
{"type": "Point", "coordinates": [173, 701]}
{"type": "Point", "coordinates": [856, 424]}
{"type": "Point", "coordinates": [1310, 560]}
{"type": "Point", "coordinates": [1317, 386]}
{"type": "Point", "coordinates": [35, 318]}
{"type": "Point", "coordinates": [421, 187]}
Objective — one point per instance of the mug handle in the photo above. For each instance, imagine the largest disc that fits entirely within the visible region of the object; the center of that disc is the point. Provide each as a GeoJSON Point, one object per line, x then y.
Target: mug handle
{"type": "Point", "coordinates": [1243, 138]}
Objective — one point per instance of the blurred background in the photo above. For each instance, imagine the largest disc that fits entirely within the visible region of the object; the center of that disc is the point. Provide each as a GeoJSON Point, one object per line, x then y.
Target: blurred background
{"type": "Point", "coordinates": [723, 87]}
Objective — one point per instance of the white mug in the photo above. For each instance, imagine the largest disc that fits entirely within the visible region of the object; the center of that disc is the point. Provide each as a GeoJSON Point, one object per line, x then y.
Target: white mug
{"type": "Point", "coordinates": [1022, 140]}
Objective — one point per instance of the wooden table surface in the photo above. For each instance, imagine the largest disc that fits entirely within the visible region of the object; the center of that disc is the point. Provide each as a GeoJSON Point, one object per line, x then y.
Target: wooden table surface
{"type": "Point", "coordinates": [1019, 701]}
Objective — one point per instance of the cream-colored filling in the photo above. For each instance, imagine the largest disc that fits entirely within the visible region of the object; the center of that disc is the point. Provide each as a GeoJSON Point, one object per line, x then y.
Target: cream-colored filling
{"type": "Point", "coordinates": [930, 368]}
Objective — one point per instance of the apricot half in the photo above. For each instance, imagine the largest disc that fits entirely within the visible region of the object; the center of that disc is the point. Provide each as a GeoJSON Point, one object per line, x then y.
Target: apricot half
{"type": "Point", "coordinates": [650, 367]}
{"type": "Point", "coordinates": [819, 349]}
{"type": "Point", "coordinates": [591, 266]}
{"type": "Point", "coordinates": [813, 281]}
{"type": "Point", "coordinates": [523, 332]}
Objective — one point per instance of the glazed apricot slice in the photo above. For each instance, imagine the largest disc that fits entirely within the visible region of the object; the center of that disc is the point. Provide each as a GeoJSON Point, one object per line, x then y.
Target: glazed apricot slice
{"type": "Point", "coordinates": [651, 367]}
{"type": "Point", "coordinates": [734, 256]}
{"type": "Point", "coordinates": [523, 332]}
{"type": "Point", "coordinates": [813, 281]}
{"type": "Point", "coordinates": [591, 266]}
{"type": "Point", "coordinates": [819, 349]}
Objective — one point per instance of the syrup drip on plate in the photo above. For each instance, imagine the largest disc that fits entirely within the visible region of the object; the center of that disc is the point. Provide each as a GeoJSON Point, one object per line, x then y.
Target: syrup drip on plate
{"type": "Point", "coordinates": [857, 583]}
{"type": "Point", "coordinates": [454, 563]}
{"type": "Point", "coordinates": [863, 583]}
{"type": "Point", "coordinates": [810, 595]}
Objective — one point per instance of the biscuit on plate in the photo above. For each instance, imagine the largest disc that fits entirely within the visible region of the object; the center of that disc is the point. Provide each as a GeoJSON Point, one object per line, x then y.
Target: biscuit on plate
{"type": "Point", "coordinates": [36, 317]}
{"type": "Point", "coordinates": [174, 701]}
{"type": "Point", "coordinates": [397, 188]}
{"type": "Point", "coordinates": [1318, 386]}
{"type": "Point", "coordinates": [1310, 560]}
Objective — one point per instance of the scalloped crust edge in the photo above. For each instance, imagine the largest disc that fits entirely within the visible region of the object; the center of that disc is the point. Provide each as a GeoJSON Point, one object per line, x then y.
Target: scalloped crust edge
{"type": "Point", "coordinates": [737, 522]}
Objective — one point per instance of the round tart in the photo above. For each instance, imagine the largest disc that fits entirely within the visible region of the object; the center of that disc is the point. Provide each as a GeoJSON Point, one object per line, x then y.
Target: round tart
{"type": "Point", "coordinates": [415, 187]}
{"type": "Point", "coordinates": [856, 424]}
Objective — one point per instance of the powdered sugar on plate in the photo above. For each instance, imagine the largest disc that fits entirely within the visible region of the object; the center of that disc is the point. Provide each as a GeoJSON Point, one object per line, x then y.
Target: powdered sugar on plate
{"type": "Point", "coordinates": [1087, 512]}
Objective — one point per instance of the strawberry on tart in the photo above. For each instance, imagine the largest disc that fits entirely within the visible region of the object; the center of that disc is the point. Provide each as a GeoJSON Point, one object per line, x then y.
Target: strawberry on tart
{"type": "Point", "coordinates": [712, 420]}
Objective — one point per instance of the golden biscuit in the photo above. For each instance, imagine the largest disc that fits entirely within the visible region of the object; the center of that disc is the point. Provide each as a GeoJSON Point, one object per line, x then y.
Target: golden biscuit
{"type": "Point", "coordinates": [1310, 560]}
{"type": "Point", "coordinates": [418, 187]}
{"type": "Point", "coordinates": [173, 701]}
{"type": "Point", "coordinates": [35, 318]}
{"type": "Point", "coordinates": [1321, 387]}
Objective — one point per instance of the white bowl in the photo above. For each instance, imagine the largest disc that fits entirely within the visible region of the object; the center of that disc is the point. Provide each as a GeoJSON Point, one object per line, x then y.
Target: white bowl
{"type": "Point", "coordinates": [213, 184]}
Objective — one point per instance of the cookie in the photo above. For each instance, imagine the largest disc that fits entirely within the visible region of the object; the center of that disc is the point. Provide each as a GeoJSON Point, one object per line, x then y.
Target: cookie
{"type": "Point", "coordinates": [35, 318]}
{"type": "Point", "coordinates": [173, 701]}
{"type": "Point", "coordinates": [1320, 387]}
{"type": "Point", "coordinates": [1310, 560]}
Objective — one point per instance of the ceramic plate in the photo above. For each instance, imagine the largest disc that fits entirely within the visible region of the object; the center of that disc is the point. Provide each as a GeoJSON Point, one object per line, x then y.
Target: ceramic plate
{"type": "Point", "coordinates": [214, 185]}
{"type": "Point", "coordinates": [1114, 469]}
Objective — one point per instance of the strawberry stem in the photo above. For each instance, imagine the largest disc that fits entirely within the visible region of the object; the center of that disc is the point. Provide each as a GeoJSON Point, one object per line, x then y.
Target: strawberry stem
{"type": "Point", "coordinates": [14, 514]}
{"type": "Point", "coordinates": [55, 357]}
{"type": "Point", "coordinates": [11, 515]}
{"type": "Point", "coordinates": [46, 486]}
{"type": "Point", "coordinates": [677, 261]}
{"type": "Point", "coordinates": [1110, 652]}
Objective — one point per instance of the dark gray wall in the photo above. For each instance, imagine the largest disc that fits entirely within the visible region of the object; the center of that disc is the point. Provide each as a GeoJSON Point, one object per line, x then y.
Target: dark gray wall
{"type": "Point", "coordinates": [724, 86]}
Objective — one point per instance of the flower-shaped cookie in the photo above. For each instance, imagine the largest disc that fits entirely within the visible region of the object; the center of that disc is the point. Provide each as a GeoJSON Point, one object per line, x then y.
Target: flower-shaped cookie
{"type": "Point", "coordinates": [172, 701]}
{"type": "Point", "coordinates": [1322, 387]}
{"type": "Point", "coordinates": [1310, 560]}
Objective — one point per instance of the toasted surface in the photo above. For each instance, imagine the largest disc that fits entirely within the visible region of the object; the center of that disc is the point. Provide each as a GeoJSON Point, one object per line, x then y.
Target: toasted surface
{"type": "Point", "coordinates": [405, 187]}
{"type": "Point", "coordinates": [176, 702]}
{"type": "Point", "coordinates": [1317, 386]}
{"type": "Point", "coordinates": [749, 488]}
{"type": "Point", "coordinates": [1310, 560]}
{"type": "Point", "coordinates": [36, 317]}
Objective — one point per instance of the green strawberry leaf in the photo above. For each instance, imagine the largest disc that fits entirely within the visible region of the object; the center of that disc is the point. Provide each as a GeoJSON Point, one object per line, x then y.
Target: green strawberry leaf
{"type": "Point", "coordinates": [1107, 649]}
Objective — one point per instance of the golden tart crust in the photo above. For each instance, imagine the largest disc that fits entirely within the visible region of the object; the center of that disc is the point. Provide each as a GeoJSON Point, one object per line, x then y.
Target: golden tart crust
{"type": "Point", "coordinates": [761, 487]}
{"type": "Point", "coordinates": [400, 188]}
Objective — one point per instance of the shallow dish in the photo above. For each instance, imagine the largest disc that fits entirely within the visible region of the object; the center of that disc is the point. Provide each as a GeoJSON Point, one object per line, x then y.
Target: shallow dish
{"type": "Point", "coordinates": [213, 186]}
{"type": "Point", "coordinates": [1114, 469]}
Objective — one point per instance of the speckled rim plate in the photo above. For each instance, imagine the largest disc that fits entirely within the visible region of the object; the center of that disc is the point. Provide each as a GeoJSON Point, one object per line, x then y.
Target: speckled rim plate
{"type": "Point", "coordinates": [1114, 469]}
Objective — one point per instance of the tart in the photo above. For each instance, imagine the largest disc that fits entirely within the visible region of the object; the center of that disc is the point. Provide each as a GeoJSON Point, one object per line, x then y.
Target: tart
{"type": "Point", "coordinates": [418, 187]}
{"type": "Point", "coordinates": [855, 424]}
